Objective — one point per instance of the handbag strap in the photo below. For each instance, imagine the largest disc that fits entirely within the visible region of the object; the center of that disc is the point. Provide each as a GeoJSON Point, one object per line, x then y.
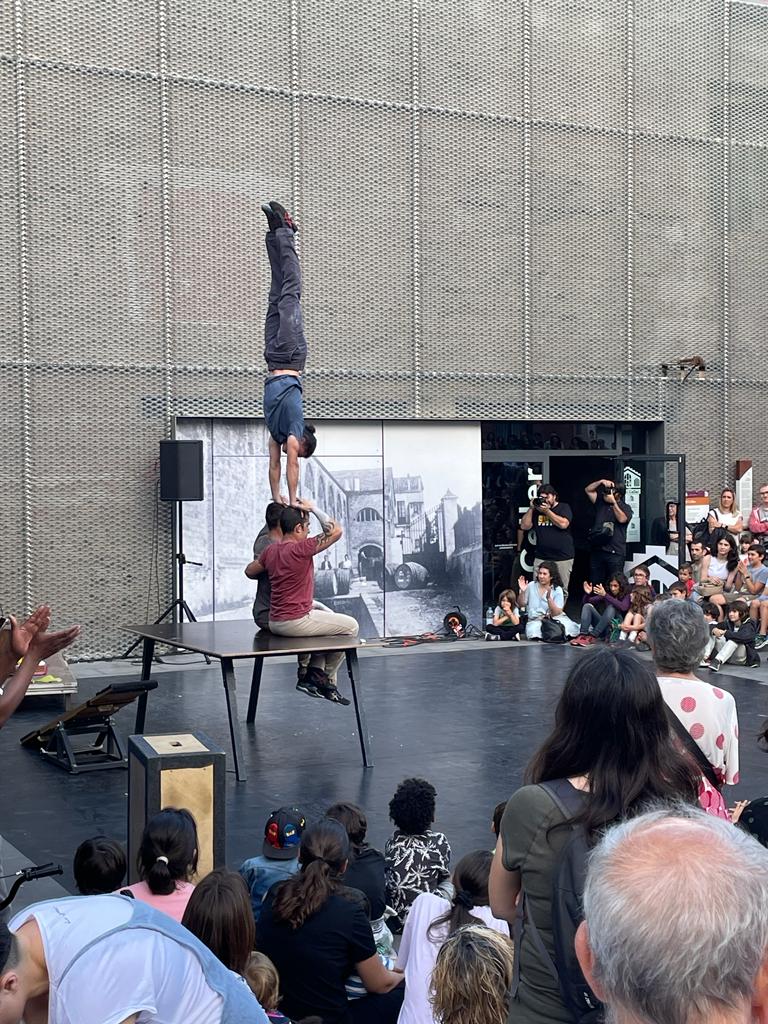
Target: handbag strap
{"type": "Point", "coordinates": [693, 749]}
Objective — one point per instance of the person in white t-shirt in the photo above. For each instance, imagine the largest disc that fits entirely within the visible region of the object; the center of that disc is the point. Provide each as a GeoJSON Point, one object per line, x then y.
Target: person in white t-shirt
{"type": "Point", "coordinates": [113, 960]}
{"type": "Point", "coordinates": [431, 920]}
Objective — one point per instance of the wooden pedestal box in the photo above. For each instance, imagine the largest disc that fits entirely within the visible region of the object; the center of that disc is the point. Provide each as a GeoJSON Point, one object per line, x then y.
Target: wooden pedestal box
{"type": "Point", "coordinates": [177, 770]}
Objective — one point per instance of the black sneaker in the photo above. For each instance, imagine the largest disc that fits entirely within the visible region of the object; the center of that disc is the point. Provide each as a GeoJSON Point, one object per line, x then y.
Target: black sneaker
{"type": "Point", "coordinates": [282, 215]}
{"type": "Point", "coordinates": [272, 218]}
{"type": "Point", "coordinates": [326, 688]}
{"type": "Point", "coordinates": [306, 685]}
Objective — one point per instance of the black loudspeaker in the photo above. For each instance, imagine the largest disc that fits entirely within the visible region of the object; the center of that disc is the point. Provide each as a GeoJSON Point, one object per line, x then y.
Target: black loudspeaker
{"type": "Point", "coordinates": [181, 471]}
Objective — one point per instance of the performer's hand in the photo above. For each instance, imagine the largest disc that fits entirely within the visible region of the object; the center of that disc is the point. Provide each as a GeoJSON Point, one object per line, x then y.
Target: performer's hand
{"type": "Point", "coordinates": [304, 505]}
{"type": "Point", "coordinates": [282, 500]}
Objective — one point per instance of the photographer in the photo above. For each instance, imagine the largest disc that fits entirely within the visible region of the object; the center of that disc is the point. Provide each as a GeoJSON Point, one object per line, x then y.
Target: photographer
{"type": "Point", "coordinates": [608, 536]}
{"type": "Point", "coordinates": [554, 542]}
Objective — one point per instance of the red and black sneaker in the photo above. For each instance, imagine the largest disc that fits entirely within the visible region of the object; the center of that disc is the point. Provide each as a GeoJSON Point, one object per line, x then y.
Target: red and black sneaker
{"type": "Point", "coordinates": [285, 219]}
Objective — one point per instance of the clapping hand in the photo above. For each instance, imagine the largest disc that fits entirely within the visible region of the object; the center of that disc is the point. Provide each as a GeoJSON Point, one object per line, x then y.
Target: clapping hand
{"type": "Point", "coordinates": [737, 810]}
{"type": "Point", "coordinates": [588, 588]}
{"type": "Point", "coordinates": [46, 644]}
{"type": "Point", "coordinates": [522, 583]}
{"type": "Point", "coordinates": [599, 590]}
{"type": "Point", "coordinates": [14, 642]}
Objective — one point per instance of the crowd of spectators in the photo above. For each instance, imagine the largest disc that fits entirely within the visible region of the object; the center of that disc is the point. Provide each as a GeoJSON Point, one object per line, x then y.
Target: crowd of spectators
{"type": "Point", "coordinates": [721, 567]}
{"type": "Point", "coordinates": [625, 793]}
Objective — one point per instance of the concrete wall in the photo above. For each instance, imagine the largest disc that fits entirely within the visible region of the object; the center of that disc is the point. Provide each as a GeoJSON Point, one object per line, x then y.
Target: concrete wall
{"type": "Point", "coordinates": [508, 210]}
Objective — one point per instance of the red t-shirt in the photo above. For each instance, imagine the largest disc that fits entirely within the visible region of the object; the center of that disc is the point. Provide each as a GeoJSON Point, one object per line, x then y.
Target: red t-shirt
{"type": "Point", "coordinates": [292, 576]}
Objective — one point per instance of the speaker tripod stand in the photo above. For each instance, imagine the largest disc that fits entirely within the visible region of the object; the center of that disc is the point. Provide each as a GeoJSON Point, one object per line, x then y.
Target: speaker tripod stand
{"type": "Point", "coordinates": [178, 607]}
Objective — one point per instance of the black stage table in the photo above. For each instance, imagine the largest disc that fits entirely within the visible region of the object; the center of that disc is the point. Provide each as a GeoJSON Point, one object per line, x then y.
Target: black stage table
{"type": "Point", "coordinates": [231, 639]}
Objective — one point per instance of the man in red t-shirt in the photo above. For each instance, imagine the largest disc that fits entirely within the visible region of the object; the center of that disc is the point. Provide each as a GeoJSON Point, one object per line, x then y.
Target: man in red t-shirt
{"type": "Point", "coordinates": [291, 573]}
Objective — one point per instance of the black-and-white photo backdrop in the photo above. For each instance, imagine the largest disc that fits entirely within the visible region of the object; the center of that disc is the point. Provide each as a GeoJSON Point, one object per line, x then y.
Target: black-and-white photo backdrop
{"type": "Point", "coordinates": [407, 494]}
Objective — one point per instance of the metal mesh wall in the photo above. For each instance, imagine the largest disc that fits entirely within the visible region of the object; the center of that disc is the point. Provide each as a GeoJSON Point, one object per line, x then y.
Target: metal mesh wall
{"type": "Point", "coordinates": [509, 209]}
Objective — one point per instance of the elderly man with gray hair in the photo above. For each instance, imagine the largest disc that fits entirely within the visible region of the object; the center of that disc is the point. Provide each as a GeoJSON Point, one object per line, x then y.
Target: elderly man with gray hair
{"type": "Point", "coordinates": [678, 634]}
{"type": "Point", "coordinates": [675, 926]}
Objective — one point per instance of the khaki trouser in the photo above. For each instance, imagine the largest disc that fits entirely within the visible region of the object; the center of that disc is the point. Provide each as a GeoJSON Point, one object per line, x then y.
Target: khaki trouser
{"type": "Point", "coordinates": [319, 623]}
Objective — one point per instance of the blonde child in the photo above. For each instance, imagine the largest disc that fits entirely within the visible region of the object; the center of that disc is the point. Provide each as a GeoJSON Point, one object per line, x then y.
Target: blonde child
{"type": "Point", "coordinates": [262, 978]}
{"type": "Point", "coordinates": [472, 977]}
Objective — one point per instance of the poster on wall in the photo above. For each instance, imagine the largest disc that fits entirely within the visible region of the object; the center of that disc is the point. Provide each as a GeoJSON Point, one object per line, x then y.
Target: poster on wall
{"type": "Point", "coordinates": [407, 496]}
{"type": "Point", "coordinates": [433, 511]}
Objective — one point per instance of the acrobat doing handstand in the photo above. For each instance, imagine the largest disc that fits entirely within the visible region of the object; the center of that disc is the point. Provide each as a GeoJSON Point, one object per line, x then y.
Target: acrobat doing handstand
{"type": "Point", "coordinates": [285, 353]}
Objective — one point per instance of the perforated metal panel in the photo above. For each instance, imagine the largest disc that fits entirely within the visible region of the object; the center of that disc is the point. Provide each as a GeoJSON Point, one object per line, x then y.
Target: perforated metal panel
{"type": "Point", "coordinates": [509, 208]}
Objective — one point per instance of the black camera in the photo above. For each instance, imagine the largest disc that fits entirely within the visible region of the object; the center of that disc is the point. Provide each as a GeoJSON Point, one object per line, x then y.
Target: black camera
{"type": "Point", "coordinates": [539, 502]}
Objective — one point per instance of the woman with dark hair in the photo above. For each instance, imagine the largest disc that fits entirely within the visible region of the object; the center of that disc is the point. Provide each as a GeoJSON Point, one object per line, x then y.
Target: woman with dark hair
{"type": "Point", "coordinates": [602, 604]}
{"type": "Point", "coordinates": [720, 578]}
{"type": "Point", "coordinates": [219, 914]}
{"type": "Point", "coordinates": [366, 869]}
{"type": "Point", "coordinates": [432, 920]}
{"type": "Point", "coordinates": [316, 932]}
{"type": "Point", "coordinates": [544, 599]}
{"type": "Point", "coordinates": [166, 862]}
{"type": "Point", "coordinates": [610, 752]}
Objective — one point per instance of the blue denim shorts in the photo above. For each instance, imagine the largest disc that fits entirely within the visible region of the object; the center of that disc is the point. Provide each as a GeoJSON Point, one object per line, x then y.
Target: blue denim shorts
{"type": "Point", "coordinates": [284, 407]}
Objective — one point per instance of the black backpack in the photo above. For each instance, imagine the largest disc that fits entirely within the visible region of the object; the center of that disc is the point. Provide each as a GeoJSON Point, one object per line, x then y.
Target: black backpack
{"type": "Point", "coordinates": [567, 914]}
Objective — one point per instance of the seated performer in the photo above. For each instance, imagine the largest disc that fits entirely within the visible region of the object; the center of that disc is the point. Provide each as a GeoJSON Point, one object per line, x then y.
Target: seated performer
{"type": "Point", "coordinates": [285, 353]}
{"type": "Point", "coordinates": [291, 573]}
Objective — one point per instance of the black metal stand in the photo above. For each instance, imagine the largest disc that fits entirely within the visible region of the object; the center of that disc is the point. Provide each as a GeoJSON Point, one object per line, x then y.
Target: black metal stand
{"type": "Point", "coordinates": [105, 751]}
{"type": "Point", "coordinates": [178, 607]}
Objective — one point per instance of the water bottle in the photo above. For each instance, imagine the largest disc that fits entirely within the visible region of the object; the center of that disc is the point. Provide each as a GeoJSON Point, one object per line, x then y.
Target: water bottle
{"type": "Point", "coordinates": [488, 615]}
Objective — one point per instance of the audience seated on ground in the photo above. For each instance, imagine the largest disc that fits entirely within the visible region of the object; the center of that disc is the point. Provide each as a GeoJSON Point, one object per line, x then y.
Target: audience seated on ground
{"type": "Point", "coordinates": [473, 977]}
{"type": "Point", "coordinates": [652, 946]}
{"type": "Point", "coordinates": [732, 640]}
{"type": "Point", "coordinates": [166, 862]}
{"type": "Point", "coordinates": [603, 609]}
{"type": "Point", "coordinates": [431, 920]}
{"type": "Point", "coordinates": [366, 871]}
{"type": "Point", "coordinates": [316, 932]}
{"type": "Point", "coordinates": [99, 866]}
{"type": "Point", "coordinates": [418, 859]}
{"type": "Point", "coordinates": [219, 914]}
{"type": "Point", "coordinates": [279, 857]}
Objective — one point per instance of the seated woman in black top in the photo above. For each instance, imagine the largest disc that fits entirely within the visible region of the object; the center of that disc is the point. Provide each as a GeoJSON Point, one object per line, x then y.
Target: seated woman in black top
{"type": "Point", "coordinates": [316, 932]}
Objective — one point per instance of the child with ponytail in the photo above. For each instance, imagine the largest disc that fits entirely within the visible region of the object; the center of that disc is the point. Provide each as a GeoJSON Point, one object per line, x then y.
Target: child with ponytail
{"type": "Point", "coordinates": [167, 861]}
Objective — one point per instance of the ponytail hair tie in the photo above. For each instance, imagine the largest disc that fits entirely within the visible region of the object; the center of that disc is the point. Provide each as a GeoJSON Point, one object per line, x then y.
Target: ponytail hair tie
{"type": "Point", "coordinates": [464, 899]}
{"type": "Point", "coordinates": [163, 859]}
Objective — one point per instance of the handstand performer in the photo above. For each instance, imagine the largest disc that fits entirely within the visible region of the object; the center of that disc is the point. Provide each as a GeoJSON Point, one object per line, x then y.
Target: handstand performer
{"type": "Point", "coordinates": [291, 574]}
{"type": "Point", "coordinates": [285, 353]}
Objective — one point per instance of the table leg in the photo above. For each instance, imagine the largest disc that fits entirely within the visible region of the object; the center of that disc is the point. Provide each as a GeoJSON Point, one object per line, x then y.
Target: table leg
{"type": "Point", "coordinates": [353, 669]}
{"type": "Point", "coordinates": [253, 702]}
{"type": "Point", "coordinates": [147, 654]}
{"type": "Point", "coordinates": [228, 675]}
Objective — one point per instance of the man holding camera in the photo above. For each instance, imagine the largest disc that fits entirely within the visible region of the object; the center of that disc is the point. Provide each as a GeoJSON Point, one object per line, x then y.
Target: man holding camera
{"type": "Point", "coordinates": [554, 541]}
{"type": "Point", "coordinates": [608, 537]}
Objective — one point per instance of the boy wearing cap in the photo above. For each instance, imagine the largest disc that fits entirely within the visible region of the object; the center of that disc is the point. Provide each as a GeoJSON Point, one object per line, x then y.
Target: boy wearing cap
{"type": "Point", "coordinates": [280, 855]}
